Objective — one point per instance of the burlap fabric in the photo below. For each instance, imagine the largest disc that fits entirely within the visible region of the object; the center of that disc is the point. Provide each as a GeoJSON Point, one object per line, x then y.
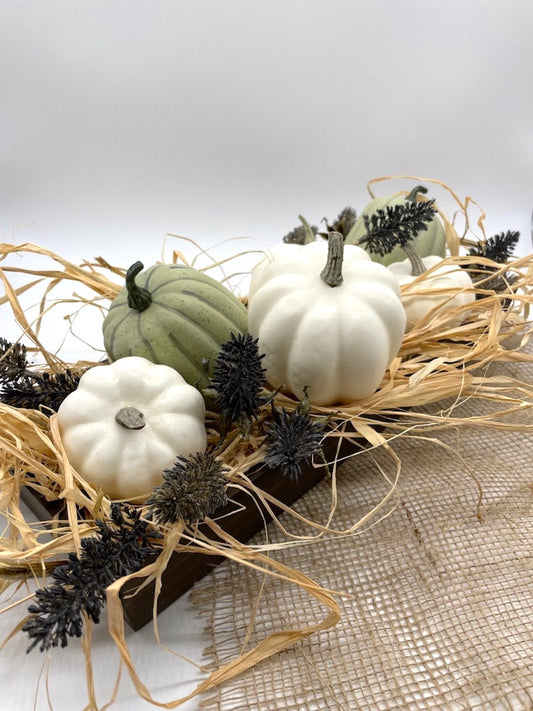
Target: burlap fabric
{"type": "Point", "coordinates": [441, 608]}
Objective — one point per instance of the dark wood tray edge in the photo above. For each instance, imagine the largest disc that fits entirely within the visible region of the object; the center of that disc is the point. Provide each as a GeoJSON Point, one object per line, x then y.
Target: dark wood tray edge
{"type": "Point", "coordinates": [242, 518]}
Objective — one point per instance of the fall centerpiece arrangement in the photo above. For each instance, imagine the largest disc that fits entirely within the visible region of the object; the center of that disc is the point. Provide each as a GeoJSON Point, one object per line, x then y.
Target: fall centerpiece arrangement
{"type": "Point", "coordinates": [209, 414]}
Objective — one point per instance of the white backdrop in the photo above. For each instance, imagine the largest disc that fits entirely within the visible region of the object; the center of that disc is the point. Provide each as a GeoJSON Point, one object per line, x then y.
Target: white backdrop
{"type": "Point", "coordinates": [122, 120]}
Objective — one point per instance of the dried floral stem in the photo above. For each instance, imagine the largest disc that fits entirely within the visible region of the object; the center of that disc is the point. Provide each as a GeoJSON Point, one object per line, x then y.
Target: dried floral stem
{"type": "Point", "coordinates": [417, 265]}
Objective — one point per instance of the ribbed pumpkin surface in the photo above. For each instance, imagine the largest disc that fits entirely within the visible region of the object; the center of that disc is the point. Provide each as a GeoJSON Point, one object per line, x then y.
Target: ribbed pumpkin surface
{"type": "Point", "coordinates": [190, 317]}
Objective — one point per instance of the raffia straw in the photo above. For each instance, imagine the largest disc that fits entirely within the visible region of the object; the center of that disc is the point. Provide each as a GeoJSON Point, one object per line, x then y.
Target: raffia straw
{"type": "Point", "coordinates": [269, 502]}
{"type": "Point", "coordinates": [86, 274]}
{"type": "Point", "coordinates": [86, 645]}
{"type": "Point", "coordinates": [439, 360]}
{"type": "Point", "coordinates": [268, 647]}
{"type": "Point", "coordinates": [463, 206]}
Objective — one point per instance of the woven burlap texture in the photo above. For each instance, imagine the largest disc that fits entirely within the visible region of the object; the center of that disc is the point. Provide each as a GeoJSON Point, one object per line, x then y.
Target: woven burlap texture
{"type": "Point", "coordinates": [441, 608]}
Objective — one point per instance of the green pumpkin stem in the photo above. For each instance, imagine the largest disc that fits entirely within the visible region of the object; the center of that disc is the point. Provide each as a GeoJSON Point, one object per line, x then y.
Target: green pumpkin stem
{"type": "Point", "coordinates": [309, 234]}
{"type": "Point", "coordinates": [417, 265]}
{"type": "Point", "coordinates": [139, 299]}
{"type": "Point", "coordinates": [332, 272]}
{"type": "Point", "coordinates": [414, 193]}
{"type": "Point", "coordinates": [131, 418]}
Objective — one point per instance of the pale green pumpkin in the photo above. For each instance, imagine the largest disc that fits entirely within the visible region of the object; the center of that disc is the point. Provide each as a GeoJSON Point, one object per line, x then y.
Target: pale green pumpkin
{"type": "Point", "coordinates": [174, 315]}
{"type": "Point", "coordinates": [432, 241]}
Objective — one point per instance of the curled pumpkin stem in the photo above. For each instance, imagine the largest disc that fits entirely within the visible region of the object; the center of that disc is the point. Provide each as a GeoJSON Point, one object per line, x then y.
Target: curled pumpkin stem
{"type": "Point", "coordinates": [139, 299]}
{"type": "Point", "coordinates": [412, 197]}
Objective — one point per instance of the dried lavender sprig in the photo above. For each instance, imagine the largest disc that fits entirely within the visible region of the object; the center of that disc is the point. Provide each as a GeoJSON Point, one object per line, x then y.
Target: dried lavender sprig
{"type": "Point", "coordinates": [40, 391]}
{"type": "Point", "coordinates": [293, 438]}
{"type": "Point", "coordinates": [499, 248]}
{"type": "Point", "coordinates": [21, 387]}
{"type": "Point", "coordinates": [343, 223]}
{"type": "Point", "coordinates": [119, 547]}
{"type": "Point", "coordinates": [13, 361]}
{"type": "Point", "coordinates": [192, 489]}
{"type": "Point", "coordinates": [301, 234]}
{"type": "Point", "coordinates": [396, 225]}
{"type": "Point", "coordinates": [238, 380]}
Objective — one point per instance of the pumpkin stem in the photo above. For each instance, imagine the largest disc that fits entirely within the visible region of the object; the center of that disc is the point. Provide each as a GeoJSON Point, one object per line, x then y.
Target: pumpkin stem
{"type": "Point", "coordinates": [131, 418]}
{"type": "Point", "coordinates": [309, 234]}
{"type": "Point", "coordinates": [138, 298]}
{"type": "Point", "coordinates": [332, 272]}
{"type": "Point", "coordinates": [417, 265]}
{"type": "Point", "coordinates": [414, 193]}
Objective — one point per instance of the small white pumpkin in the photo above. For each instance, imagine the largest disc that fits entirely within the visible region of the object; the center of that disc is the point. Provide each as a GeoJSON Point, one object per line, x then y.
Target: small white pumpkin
{"type": "Point", "coordinates": [447, 286]}
{"type": "Point", "coordinates": [127, 422]}
{"type": "Point", "coordinates": [334, 330]}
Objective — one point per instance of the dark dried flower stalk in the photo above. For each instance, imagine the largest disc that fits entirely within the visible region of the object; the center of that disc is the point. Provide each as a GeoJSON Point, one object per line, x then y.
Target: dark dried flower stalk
{"type": "Point", "coordinates": [13, 363]}
{"type": "Point", "coordinates": [40, 391]}
{"type": "Point", "coordinates": [238, 380]}
{"type": "Point", "coordinates": [293, 438]}
{"type": "Point", "coordinates": [29, 389]}
{"type": "Point", "coordinates": [193, 489]}
{"type": "Point", "coordinates": [343, 223]}
{"type": "Point", "coordinates": [396, 225]}
{"type": "Point", "coordinates": [498, 248]}
{"type": "Point", "coordinates": [301, 235]}
{"type": "Point", "coordinates": [119, 547]}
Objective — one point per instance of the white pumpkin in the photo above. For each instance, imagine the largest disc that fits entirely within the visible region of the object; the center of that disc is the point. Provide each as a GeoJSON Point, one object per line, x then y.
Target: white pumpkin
{"type": "Point", "coordinates": [336, 340]}
{"type": "Point", "coordinates": [446, 286]}
{"type": "Point", "coordinates": [127, 422]}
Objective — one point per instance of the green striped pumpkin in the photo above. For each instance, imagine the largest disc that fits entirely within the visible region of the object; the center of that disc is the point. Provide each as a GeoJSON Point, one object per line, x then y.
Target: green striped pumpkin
{"type": "Point", "coordinates": [174, 315]}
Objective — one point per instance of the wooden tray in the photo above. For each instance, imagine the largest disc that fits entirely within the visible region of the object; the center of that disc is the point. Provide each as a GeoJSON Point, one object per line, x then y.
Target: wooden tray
{"type": "Point", "coordinates": [247, 518]}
